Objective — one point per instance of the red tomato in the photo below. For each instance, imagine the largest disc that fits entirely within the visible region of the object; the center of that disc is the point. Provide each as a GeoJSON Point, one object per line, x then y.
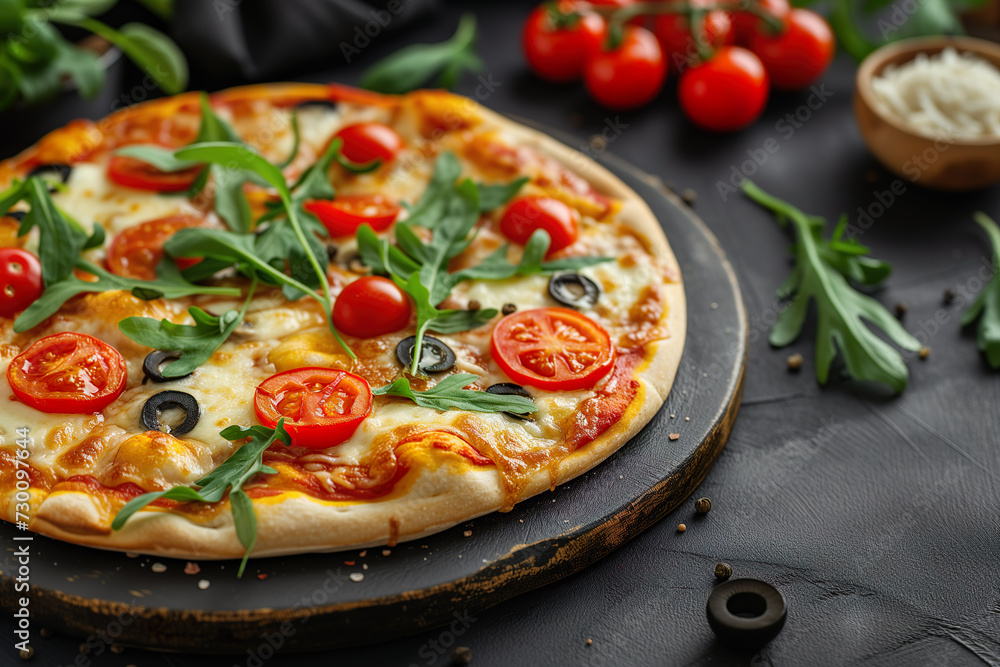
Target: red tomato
{"type": "Point", "coordinates": [746, 25]}
{"type": "Point", "coordinates": [346, 213]}
{"type": "Point", "coordinates": [628, 76]}
{"type": "Point", "coordinates": [364, 142]}
{"type": "Point", "coordinates": [558, 54]}
{"type": "Point", "coordinates": [21, 278]}
{"type": "Point", "coordinates": [322, 407]}
{"type": "Point", "coordinates": [726, 92]}
{"type": "Point", "coordinates": [136, 251]}
{"type": "Point", "coordinates": [140, 175]}
{"type": "Point", "coordinates": [618, 4]}
{"type": "Point", "coordinates": [552, 348]}
{"type": "Point", "coordinates": [68, 373]}
{"type": "Point", "coordinates": [526, 214]}
{"type": "Point", "coordinates": [797, 57]}
{"type": "Point", "coordinates": [371, 306]}
{"type": "Point", "coordinates": [679, 47]}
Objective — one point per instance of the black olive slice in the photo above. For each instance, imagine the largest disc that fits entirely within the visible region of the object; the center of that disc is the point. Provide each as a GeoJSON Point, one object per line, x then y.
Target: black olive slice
{"type": "Point", "coordinates": [746, 613]}
{"type": "Point", "coordinates": [436, 356]}
{"type": "Point", "coordinates": [151, 366]}
{"type": "Point", "coordinates": [574, 290]}
{"type": "Point", "coordinates": [319, 104]}
{"type": "Point", "coordinates": [511, 389]}
{"type": "Point", "coordinates": [57, 169]}
{"type": "Point", "coordinates": [17, 215]}
{"type": "Point", "coordinates": [165, 400]}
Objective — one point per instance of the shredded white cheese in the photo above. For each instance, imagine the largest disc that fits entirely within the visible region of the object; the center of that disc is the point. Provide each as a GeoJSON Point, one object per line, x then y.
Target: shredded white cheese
{"type": "Point", "coordinates": [948, 94]}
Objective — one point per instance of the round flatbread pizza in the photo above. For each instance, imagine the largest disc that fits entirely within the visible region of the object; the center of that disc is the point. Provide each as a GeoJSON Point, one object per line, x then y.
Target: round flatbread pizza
{"type": "Point", "coordinates": [296, 318]}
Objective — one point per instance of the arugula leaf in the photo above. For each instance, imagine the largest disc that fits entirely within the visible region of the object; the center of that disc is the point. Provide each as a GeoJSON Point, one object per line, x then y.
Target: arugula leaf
{"type": "Point", "coordinates": [60, 240]}
{"type": "Point", "coordinates": [986, 307]}
{"type": "Point", "coordinates": [413, 66]}
{"type": "Point", "coordinates": [840, 309]}
{"type": "Point", "coordinates": [449, 394]}
{"type": "Point", "coordinates": [230, 475]}
{"type": "Point", "coordinates": [150, 49]}
{"type": "Point", "coordinates": [161, 158]}
{"type": "Point", "coordinates": [429, 209]}
{"type": "Point", "coordinates": [495, 196]}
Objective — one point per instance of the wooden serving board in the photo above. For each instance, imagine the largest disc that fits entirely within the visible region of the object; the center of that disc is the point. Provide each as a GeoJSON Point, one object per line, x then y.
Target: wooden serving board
{"type": "Point", "coordinates": [312, 602]}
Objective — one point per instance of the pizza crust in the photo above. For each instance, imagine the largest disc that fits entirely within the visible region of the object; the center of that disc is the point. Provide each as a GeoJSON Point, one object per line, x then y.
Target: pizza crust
{"type": "Point", "coordinates": [299, 523]}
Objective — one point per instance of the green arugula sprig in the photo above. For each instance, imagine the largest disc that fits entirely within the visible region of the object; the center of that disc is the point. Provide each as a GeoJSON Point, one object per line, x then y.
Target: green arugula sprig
{"type": "Point", "coordinates": [449, 394]}
{"type": "Point", "coordinates": [840, 308]}
{"type": "Point", "coordinates": [231, 475]}
{"type": "Point", "coordinates": [986, 307]}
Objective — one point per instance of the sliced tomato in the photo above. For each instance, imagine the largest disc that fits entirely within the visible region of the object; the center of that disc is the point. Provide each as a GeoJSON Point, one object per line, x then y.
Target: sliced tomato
{"type": "Point", "coordinates": [20, 280]}
{"type": "Point", "coordinates": [68, 373]}
{"type": "Point", "coordinates": [552, 348]}
{"type": "Point", "coordinates": [343, 215]}
{"type": "Point", "coordinates": [136, 251]}
{"type": "Point", "coordinates": [133, 173]}
{"type": "Point", "coordinates": [364, 142]}
{"type": "Point", "coordinates": [526, 214]}
{"type": "Point", "coordinates": [322, 407]}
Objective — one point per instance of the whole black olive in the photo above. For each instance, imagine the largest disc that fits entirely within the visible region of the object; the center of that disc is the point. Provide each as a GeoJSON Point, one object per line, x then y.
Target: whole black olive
{"type": "Point", "coordinates": [57, 169]}
{"type": "Point", "coordinates": [746, 613]}
{"type": "Point", "coordinates": [166, 400]}
{"type": "Point", "coordinates": [511, 389]}
{"type": "Point", "coordinates": [151, 366]}
{"type": "Point", "coordinates": [436, 357]}
{"type": "Point", "coordinates": [573, 290]}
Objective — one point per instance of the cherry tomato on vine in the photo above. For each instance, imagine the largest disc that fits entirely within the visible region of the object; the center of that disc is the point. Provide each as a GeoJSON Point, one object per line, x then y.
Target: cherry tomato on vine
{"type": "Point", "coordinates": [628, 76]}
{"type": "Point", "coordinates": [343, 215]}
{"type": "Point", "coordinates": [726, 92]}
{"type": "Point", "coordinates": [20, 280]}
{"type": "Point", "coordinates": [526, 214]}
{"type": "Point", "coordinates": [364, 142]}
{"type": "Point", "coordinates": [133, 173]}
{"type": "Point", "coordinates": [619, 4]}
{"type": "Point", "coordinates": [679, 46]}
{"type": "Point", "coordinates": [557, 49]}
{"type": "Point", "coordinates": [746, 24]}
{"type": "Point", "coordinates": [322, 407]}
{"type": "Point", "coordinates": [68, 373]}
{"type": "Point", "coordinates": [371, 306]}
{"type": "Point", "coordinates": [797, 57]}
{"type": "Point", "coordinates": [135, 252]}
{"type": "Point", "coordinates": [552, 348]}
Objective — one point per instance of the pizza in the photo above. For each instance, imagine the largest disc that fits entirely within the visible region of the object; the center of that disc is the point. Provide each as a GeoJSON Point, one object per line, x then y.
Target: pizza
{"type": "Point", "coordinates": [297, 318]}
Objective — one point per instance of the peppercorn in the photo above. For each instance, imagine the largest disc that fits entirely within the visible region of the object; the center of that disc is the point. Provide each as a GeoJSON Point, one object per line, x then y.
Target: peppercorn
{"type": "Point", "coordinates": [27, 653]}
{"type": "Point", "coordinates": [948, 297]}
{"type": "Point", "coordinates": [681, 528]}
{"type": "Point", "coordinates": [723, 571]}
{"type": "Point", "coordinates": [794, 362]}
{"type": "Point", "coordinates": [462, 655]}
{"type": "Point", "coordinates": [702, 505]}
{"type": "Point", "coordinates": [901, 309]}
{"type": "Point", "coordinates": [508, 308]}
{"type": "Point", "coordinates": [924, 352]}
{"type": "Point", "coordinates": [475, 305]}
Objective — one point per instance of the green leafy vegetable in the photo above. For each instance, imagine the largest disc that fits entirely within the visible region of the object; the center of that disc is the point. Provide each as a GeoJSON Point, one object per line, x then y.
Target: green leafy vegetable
{"type": "Point", "coordinates": [495, 196]}
{"type": "Point", "coordinates": [986, 307]}
{"type": "Point", "coordinates": [840, 308]}
{"type": "Point", "coordinates": [154, 53]}
{"type": "Point", "coordinates": [449, 394]}
{"type": "Point", "coordinates": [231, 475]}
{"type": "Point", "coordinates": [413, 66]}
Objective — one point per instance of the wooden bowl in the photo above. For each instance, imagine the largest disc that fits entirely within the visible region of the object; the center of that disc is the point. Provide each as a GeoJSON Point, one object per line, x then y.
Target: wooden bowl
{"type": "Point", "coordinates": [941, 163]}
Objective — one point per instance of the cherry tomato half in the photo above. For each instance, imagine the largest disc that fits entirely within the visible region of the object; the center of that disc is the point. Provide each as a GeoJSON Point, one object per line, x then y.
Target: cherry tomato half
{"type": "Point", "coordinates": [552, 348]}
{"type": "Point", "coordinates": [68, 373]}
{"type": "Point", "coordinates": [133, 173]}
{"type": "Point", "coordinates": [798, 56]}
{"type": "Point", "coordinates": [725, 93]}
{"type": "Point", "coordinates": [20, 280]}
{"type": "Point", "coordinates": [679, 47]}
{"type": "Point", "coordinates": [343, 215]}
{"type": "Point", "coordinates": [558, 54]}
{"type": "Point", "coordinates": [526, 214]}
{"type": "Point", "coordinates": [746, 25]}
{"type": "Point", "coordinates": [371, 306]}
{"type": "Point", "coordinates": [322, 407]}
{"type": "Point", "coordinates": [628, 76]}
{"type": "Point", "coordinates": [136, 251]}
{"type": "Point", "coordinates": [364, 142]}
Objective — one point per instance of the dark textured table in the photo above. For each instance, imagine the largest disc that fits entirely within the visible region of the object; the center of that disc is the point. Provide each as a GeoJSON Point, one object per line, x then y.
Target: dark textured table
{"type": "Point", "coordinates": [877, 516]}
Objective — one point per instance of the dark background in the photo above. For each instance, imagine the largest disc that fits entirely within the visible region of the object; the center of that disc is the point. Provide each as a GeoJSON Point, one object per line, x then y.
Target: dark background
{"type": "Point", "coordinates": [877, 516]}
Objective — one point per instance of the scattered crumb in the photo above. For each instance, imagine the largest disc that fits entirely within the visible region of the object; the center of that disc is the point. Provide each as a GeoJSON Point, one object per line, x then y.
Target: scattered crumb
{"type": "Point", "coordinates": [364, 566]}
{"type": "Point", "coordinates": [204, 583]}
{"type": "Point", "coordinates": [262, 576]}
{"type": "Point", "coordinates": [191, 568]}
{"type": "Point", "coordinates": [681, 528]}
{"type": "Point", "coordinates": [924, 352]}
{"type": "Point", "coordinates": [794, 361]}
{"type": "Point", "coordinates": [84, 649]}
{"type": "Point", "coordinates": [687, 419]}
{"type": "Point", "coordinates": [131, 554]}
{"type": "Point", "coordinates": [714, 306]}
{"type": "Point", "coordinates": [467, 533]}
{"type": "Point", "coordinates": [703, 505]}
{"type": "Point", "coordinates": [356, 576]}
{"type": "Point", "coordinates": [723, 571]}
{"type": "Point", "coordinates": [462, 655]}
{"type": "Point", "coordinates": [386, 552]}
{"type": "Point", "coordinates": [158, 567]}
{"type": "Point", "coordinates": [349, 563]}
{"type": "Point", "coordinates": [590, 642]}
{"type": "Point", "coordinates": [900, 309]}
{"type": "Point", "coordinates": [27, 653]}
{"type": "Point", "coordinates": [673, 416]}
{"type": "Point", "coordinates": [689, 196]}
{"type": "Point", "coordinates": [949, 296]}
{"type": "Point", "coordinates": [521, 520]}
{"type": "Point", "coordinates": [117, 648]}
{"type": "Point", "coordinates": [363, 553]}
{"type": "Point", "coordinates": [674, 436]}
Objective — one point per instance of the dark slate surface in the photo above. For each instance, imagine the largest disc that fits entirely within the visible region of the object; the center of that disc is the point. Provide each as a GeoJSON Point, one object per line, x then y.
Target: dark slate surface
{"type": "Point", "coordinates": [876, 516]}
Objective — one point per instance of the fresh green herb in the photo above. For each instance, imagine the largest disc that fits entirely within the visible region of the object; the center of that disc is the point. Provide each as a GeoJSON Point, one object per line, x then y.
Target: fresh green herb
{"type": "Point", "coordinates": [449, 394]}
{"type": "Point", "coordinates": [840, 308]}
{"type": "Point", "coordinates": [231, 475]}
{"type": "Point", "coordinates": [986, 307]}
{"type": "Point", "coordinates": [196, 343]}
{"type": "Point", "coordinates": [495, 196]}
{"type": "Point", "coordinates": [413, 66]}
{"type": "Point", "coordinates": [61, 239]}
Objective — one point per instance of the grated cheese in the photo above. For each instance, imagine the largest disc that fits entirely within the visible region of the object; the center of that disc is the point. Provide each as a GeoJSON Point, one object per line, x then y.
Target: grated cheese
{"type": "Point", "coordinates": [950, 94]}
